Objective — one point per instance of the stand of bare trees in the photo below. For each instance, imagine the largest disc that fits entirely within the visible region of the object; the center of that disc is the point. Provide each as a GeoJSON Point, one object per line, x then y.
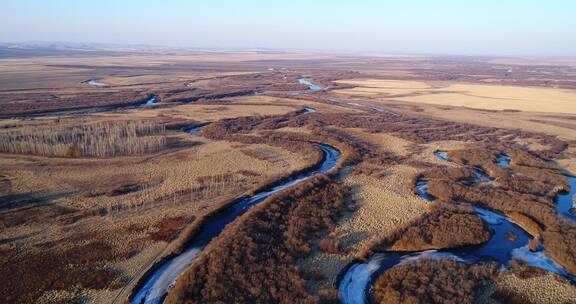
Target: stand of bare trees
{"type": "Point", "coordinates": [96, 139]}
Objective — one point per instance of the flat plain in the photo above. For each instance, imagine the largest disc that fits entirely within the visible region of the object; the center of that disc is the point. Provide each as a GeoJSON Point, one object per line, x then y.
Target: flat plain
{"type": "Point", "coordinates": [85, 219]}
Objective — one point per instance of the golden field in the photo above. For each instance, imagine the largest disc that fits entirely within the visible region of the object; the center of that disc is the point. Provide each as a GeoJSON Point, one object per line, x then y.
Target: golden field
{"type": "Point", "coordinates": [490, 97]}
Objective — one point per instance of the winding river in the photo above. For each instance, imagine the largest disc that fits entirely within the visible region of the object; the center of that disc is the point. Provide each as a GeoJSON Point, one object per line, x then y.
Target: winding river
{"type": "Point", "coordinates": [356, 284]}
{"type": "Point", "coordinates": [194, 129]}
{"type": "Point", "coordinates": [311, 86]}
{"type": "Point", "coordinates": [442, 155]}
{"type": "Point", "coordinates": [565, 201]}
{"type": "Point", "coordinates": [503, 160]}
{"type": "Point", "coordinates": [152, 101]}
{"type": "Point", "coordinates": [158, 283]}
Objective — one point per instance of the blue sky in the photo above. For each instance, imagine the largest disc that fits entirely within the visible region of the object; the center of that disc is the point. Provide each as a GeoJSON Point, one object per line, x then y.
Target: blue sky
{"type": "Point", "coordinates": [487, 27]}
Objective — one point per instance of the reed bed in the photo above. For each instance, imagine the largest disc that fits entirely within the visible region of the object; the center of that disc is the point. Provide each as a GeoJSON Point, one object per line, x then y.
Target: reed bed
{"type": "Point", "coordinates": [90, 139]}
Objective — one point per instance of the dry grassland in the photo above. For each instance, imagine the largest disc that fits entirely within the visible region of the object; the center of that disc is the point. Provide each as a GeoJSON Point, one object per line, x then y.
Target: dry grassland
{"type": "Point", "coordinates": [540, 289]}
{"type": "Point", "coordinates": [164, 173]}
{"type": "Point", "coordinates": [66, 72]}
{"type": "Point", "coordinates": [569, 163]}
{"type": "Point", "coordinates": [382, 87]}
{"type": "Point", "coordinates": [536, 61]}
{"type": "Point", "coordinates": [555, 125]}
{"type": "Point", "coordinates": [491, 97]}
{"type": "Point", "coordinates": [385, 141]}
{"type": "Point", "coordinates": [122, 202]}
{"type": "Point", "coordinates": [206, 113]}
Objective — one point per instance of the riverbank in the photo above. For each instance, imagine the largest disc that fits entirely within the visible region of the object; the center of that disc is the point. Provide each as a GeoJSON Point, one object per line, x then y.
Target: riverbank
{"type": "Point", "coordinates": [356, 283]}
{"type": "Point", "coordinates": [163, 274]}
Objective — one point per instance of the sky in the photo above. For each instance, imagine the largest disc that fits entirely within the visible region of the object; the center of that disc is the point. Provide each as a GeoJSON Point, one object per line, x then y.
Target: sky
{"type": "Point", "coordinates": [466, 27]}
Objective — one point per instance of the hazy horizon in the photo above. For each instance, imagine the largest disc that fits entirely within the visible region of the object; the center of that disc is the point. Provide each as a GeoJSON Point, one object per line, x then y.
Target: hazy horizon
{"type": "Point", "coordinates": [513, 28]}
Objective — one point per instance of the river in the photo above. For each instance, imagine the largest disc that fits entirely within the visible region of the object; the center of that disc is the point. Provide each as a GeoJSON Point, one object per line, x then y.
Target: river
{"type": "Point", "coordinates": [311, 86]}
{"type": "Point", "coordinates": [356, 285]}
{"type": "Point", "coordinates": [152, 101]}
{"type": "Point", "coordinates": [195, 129]}
{"type": "Point", "coordinates": [566, 201]}
{"type": "Point", "coordinates": [162, 279]}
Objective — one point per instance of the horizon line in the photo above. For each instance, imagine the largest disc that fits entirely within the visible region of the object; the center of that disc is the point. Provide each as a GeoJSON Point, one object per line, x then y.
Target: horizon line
{"type": "Point", "coordinates": [367, 53]}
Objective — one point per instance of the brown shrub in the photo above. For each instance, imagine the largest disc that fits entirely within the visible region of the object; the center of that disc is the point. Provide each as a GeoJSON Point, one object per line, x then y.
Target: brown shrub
{"type": "Point", "coordinates": [431, 281]}
{"type": "Point", "coordinates": [329, 296]}
{"type": "Point", "coordinates": [329, 245]}
{"type": "Point", "coordinates": [442, 229]}
{"type": "Point", "coordinates": [494, 198]}
{"type": "Point", "coordinates": [252, 261]}
{"type": "Point", "coordinates": [42, 213]}
{"type": "Point", "coordinates": [313, 274]}
{"type": "Point", "coordinates": [25, 278]}
{"type": "Point", "coordinates": [166, 228]}
{"type": "Point", "coordinates": [422, 129]}
{"type": "Point", "coordinates": [535, 244]}
{"type": "Point", "coordinates": [354, 149]}
{"type": "Point", "coordinates": [560, 243]}
{"type": "Point", "coordinates": [527, 223]}
{"type": "Point", "coordinates": [505, 295]}
{"type": "Point", "coordinates": [42, 103]}
{"type": "Point", "coordinates": [523, 270]}
{"type": "Point", "coordinates": [531, 175]}
{"type": "Point", "coordinates": [123, 189]}
{"type": "Point", "coordinates": [235, 129]}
